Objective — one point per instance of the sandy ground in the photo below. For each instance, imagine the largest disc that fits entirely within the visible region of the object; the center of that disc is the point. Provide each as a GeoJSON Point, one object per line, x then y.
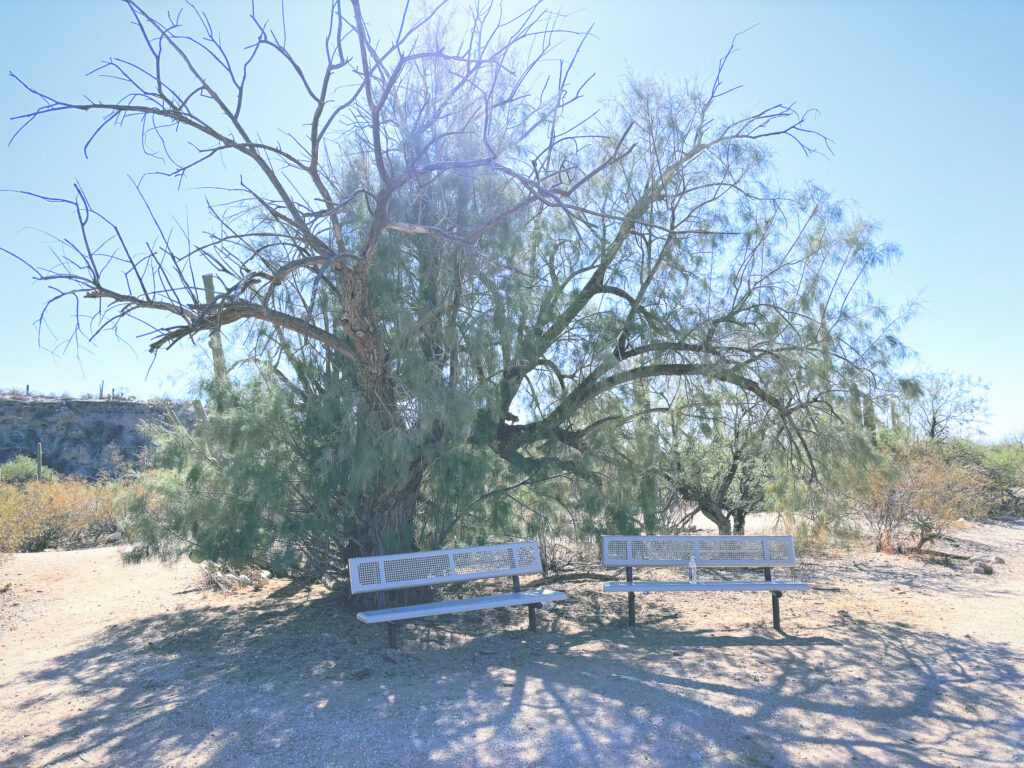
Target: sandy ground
{"type": "Point", "coordinates": [888, 660]}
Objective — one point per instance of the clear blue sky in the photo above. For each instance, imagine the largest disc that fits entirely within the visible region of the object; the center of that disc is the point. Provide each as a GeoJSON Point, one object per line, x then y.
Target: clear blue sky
{"type": "Point", "coordinates": [922, 101]}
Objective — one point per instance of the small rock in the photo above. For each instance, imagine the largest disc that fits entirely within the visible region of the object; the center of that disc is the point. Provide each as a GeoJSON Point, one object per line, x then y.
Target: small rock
{"type": "Point", "coordinates": [961, 519]}
{"type": "Point", "coordinates": [979, 558]}
{"type": "Point", "coordinates": [264, 574]}
{"type": "Point", "coordinates": [998, 560]}
{"type": "Point", "coordinates": [245, 581]}
{"type": "Point", "coordinates": [323, 668]}
{"type": "Point", "coordinates": [114, 537]}
{"type": "Point", "coordinates": [984, 568]}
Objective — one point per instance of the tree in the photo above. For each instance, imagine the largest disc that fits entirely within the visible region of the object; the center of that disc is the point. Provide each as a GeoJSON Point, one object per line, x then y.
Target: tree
{"type": "Point", "coordinates": [452, 273]}
{"type": "Point", "coordinates": [721, 461]}
{"type": "Point", "coordinates": [947, 405]}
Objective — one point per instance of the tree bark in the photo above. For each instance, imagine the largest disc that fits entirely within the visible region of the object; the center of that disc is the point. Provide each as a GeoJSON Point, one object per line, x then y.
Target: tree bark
{"type": "Point", "coordinates": [739, 522]}
{"type": "Point", "coordinates": [388, 517]}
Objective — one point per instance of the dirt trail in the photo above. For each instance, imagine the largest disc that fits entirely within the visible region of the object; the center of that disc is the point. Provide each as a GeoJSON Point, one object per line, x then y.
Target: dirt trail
{"type": "Point", "coordinates": [58, 600]}
{"type": "Point", "coordinates": [886, 661]}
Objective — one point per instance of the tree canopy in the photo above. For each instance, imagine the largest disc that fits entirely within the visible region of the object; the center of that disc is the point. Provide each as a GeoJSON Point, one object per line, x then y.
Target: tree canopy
{"type": "Point", "coordinates": [456, 278]}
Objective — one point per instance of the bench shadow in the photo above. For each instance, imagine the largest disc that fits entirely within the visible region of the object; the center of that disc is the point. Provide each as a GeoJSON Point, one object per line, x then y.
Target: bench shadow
{"type": "Point", "coordinates": [281, 684]}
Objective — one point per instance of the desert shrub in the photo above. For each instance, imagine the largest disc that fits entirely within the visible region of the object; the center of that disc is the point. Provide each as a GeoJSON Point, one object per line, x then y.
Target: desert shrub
{"type": "Point", "coordinates": [1005, 462]}
{"type": "Point", "coordinates": [920, 493]}
{"type": "Point", "coordinates": [818, 516]}
{"type": "Point", "coordinates": [22, 469]}
{"type": "Point", "coordinates": [68, 514]}
{"type": "Point", "coordinates": [232, 490]}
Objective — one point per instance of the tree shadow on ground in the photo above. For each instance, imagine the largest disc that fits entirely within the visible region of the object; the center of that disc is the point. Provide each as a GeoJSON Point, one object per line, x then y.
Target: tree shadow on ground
{"type": "Point", "coordinates": [282, 685]}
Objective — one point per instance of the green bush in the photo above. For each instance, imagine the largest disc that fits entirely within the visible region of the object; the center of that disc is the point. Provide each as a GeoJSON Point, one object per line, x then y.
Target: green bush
{"type": "Point", "coordinates": [1005, 462]}
{"type": "Point", "coordinates": [22, 469]}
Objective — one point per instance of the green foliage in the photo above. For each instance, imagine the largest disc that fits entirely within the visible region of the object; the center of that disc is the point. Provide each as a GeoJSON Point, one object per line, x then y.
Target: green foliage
{"type": "Point", "coordinates": [1005, 462]}
{"type": "Point", "coordinates": [22, 469]}
{"type": "Point", "coordinates": [230, 490]}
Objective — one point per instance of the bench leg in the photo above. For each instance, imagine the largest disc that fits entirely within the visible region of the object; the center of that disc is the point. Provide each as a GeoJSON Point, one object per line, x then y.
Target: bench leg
{"type": "Point", "coordinates": [776, 620]}
{"type": "Point", "coordinates": [392, 634]}
{"type": "Point", "coordinates": [533, 617]}
{"type": "Point", "coordinates": [632, 609]}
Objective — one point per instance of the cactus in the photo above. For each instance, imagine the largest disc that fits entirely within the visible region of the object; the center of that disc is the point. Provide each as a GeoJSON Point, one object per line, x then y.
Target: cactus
{"type": "Point", "coordinates": [39, 462]}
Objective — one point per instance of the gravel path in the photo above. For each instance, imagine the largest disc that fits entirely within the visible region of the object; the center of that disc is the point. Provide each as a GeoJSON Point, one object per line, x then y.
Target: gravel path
{"type": "Point", "coordinates": [887, 661]}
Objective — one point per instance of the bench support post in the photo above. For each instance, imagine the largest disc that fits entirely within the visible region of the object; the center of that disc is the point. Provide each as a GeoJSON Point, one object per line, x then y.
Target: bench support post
{"type": "Point", "coordinates": [392, 634]}
{"type": "Point", "coordinates": [776, 618]}
{"type": "Point", "coordinates": [382, 602]}
{"type": "Point", "coordinates": [632, 598]}
{"type": "Point", "coordinates": [532, 608]}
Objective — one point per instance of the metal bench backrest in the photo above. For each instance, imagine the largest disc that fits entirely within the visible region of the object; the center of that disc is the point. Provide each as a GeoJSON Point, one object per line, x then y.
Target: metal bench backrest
{"type": "Point", "coordinates": [419, 569]}
{"type": "Point", "coordinates": [706, 551]}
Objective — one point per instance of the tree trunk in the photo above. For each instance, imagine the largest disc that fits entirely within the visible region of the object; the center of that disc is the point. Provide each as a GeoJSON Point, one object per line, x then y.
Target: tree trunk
{"type": "Point", "coordinates": [718, 516]}
{"type": "Point", "coordinates": [388, 524]}
{"type": "Point", "coordinates": [739, 522]}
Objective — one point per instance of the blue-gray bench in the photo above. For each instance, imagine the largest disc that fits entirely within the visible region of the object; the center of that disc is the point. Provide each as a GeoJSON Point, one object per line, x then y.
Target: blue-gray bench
{"type": "Point", "coordinates": [385, 573]}
{"type": "Point", "coordinates": [695, 553]}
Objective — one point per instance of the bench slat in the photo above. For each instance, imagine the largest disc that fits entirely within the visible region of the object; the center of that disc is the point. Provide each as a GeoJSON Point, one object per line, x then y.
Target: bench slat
{"type": "Point", "coordinates": [705, 586]}
{"type": "Point", "coordinates": [405, 612]}
{"type": "Point", "coordinates": [442, 566]}
{"type": "Point", "coordinates": [706, 551]}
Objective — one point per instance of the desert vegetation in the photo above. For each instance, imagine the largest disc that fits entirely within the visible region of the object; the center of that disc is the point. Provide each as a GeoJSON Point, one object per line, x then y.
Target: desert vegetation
{"type": "Point", "coordinates": [54, 513]}
{"type": "Point", "coordinates": [451, 294]}
{"type": "Point", "coordinates": [469, 311]}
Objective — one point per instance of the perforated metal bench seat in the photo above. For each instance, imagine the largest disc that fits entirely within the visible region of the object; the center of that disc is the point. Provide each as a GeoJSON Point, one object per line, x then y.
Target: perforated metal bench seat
{"type": "Point", "coordinates": [705, 586]}
{"type": "Point", "coordinates": [701, 552]}
{"type": "Point", "coordinates": [384, 573]}
{"type": "Point", "coordinates": [402, 613]}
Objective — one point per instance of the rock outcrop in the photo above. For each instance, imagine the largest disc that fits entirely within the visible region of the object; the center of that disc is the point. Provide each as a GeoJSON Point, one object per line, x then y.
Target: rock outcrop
{"type": "Point", "coordinates": [79, 436]}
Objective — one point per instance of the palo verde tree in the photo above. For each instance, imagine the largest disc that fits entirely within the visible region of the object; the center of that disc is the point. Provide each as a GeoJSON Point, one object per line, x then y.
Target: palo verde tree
{"type": "Point", "coordinates": [945, 405]}
{"type": "Point", "coordinates": [449, 266]}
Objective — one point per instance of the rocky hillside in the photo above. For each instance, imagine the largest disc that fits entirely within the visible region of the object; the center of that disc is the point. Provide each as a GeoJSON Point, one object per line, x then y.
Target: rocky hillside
{"type": "Point", "coordinates": [82, 437]}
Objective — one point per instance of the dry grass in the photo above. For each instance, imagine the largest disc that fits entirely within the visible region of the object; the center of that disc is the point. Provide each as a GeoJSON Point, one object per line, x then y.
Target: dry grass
{"type": "Point", "coordinates": [65, 514]}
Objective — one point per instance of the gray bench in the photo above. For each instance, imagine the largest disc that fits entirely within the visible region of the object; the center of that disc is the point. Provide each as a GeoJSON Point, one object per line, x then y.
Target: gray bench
{"type": "Point", "coordinates": [385, 573]}
{"type": "Point", "coordinates": [695, 553]}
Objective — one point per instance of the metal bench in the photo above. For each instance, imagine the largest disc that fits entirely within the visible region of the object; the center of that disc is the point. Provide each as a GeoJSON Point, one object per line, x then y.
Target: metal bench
{"type": "Point", "coordinates": [696, 552]}
{"type": "Point", "coordinates": [385, 573]}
